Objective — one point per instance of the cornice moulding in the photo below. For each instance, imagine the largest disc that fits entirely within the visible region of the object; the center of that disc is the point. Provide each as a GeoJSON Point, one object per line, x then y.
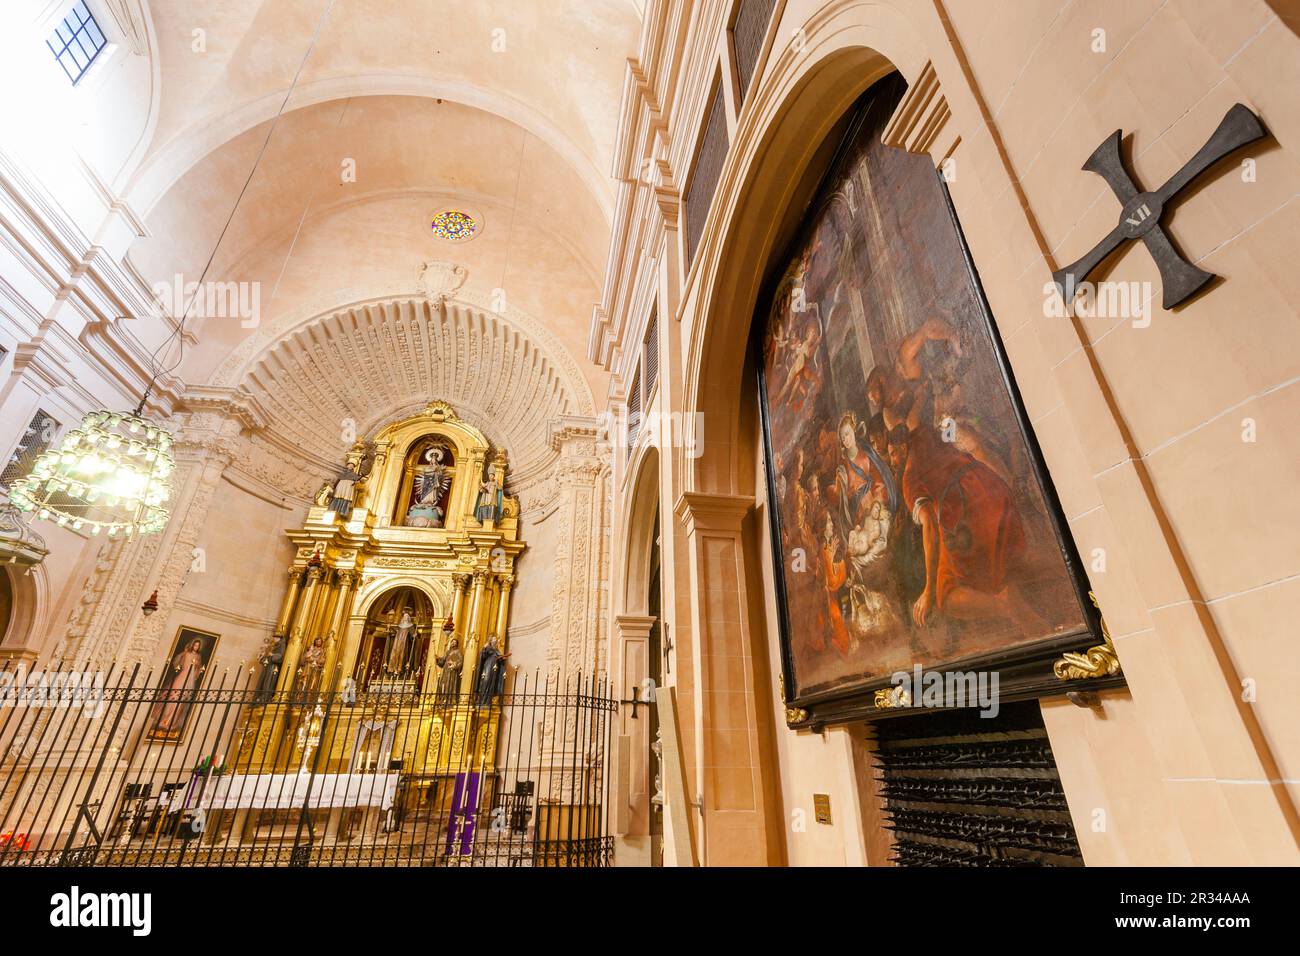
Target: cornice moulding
{"type": "Point", "coordinates": [921, 116]}
{"type": "Point", "coordinates": [711, 511]}
{"type": "Point", "coordinates": [229, 402]}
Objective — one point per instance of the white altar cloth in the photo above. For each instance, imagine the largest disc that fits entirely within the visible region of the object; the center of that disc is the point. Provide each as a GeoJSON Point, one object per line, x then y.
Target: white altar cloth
{"type": "Point", "coordinates": [285, 791]}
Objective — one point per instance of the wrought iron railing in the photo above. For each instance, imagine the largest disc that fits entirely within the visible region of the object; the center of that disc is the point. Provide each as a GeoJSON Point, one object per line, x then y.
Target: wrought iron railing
{"type": "Point", "coordinates": [124, 769]}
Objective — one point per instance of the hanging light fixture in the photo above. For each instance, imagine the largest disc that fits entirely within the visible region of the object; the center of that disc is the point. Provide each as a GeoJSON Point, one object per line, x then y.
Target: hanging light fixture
{"type": "Point", "coordinates": [110, 475]}
{"type": "Point", "coordinates": [113, 473]}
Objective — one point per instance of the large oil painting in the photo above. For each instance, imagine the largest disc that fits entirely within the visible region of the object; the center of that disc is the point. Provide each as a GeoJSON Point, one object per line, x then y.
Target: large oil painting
{"type": "Point", "coordinates": [913, 518]}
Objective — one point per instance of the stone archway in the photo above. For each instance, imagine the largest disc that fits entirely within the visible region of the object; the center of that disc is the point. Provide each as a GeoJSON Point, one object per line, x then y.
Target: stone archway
{"type": "Point", "coordinates": [640, 531]}
{"type": "Point", "coordinates": [638, 656]}
{"type": "Point", "coordinates": [781, 147]}
{"type": "Point", "coordinates": [778, 175]}
{"type": "Point", "coordinates": [24, 609]}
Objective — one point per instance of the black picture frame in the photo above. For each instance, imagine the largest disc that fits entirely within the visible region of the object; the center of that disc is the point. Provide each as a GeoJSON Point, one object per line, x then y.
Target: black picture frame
{"type": "Point", "coordinates": [169, 718]}
{"type": "Point", "coordinates": [1025, 671]}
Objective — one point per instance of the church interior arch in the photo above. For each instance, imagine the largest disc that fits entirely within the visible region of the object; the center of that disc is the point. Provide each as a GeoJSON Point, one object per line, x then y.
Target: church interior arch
{"type": "Point", "coordinates": [428, 294]}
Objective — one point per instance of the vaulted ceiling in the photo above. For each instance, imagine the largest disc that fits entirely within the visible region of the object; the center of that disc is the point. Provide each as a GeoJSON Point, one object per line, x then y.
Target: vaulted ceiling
{"type": "Point", "coordinates": [334, 130]}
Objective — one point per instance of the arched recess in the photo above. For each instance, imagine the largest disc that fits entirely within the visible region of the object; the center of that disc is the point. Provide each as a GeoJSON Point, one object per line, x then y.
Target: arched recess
{"type": "Point", "coordinates": [640, 532]}
{"type": "Point", "coordinates": [782, 147]}
{"type": "Point", "coordinates": [371, 591]}
{"type": "Point", "coordinates": [28, 615]}
{"type": "Point", "coordinates": [638, 655]}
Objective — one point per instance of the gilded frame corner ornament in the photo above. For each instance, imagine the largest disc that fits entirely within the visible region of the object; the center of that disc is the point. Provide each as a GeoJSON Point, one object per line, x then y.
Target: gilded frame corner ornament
{"type": "Point", "coordinates": [1098, 661]}
{"type": "Point", "coordinates": [888, 698]}
{"type": "Point", "coordinates": [793, 715]}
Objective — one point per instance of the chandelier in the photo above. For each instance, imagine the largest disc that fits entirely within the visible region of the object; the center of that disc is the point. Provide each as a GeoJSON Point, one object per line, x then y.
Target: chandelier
{"type": "Point", "coordinates": [111, 475]}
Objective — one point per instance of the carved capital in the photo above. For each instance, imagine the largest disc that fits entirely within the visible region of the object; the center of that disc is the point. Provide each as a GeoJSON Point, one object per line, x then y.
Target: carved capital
{"type": "Point", "coordinates": [574, 434]}
{"type": "Point", "coordinates": [633, 626]}
{"type": "Point", "coordinates": [705, 511]}
{"type": "Point", "coordinates": [224, 404]}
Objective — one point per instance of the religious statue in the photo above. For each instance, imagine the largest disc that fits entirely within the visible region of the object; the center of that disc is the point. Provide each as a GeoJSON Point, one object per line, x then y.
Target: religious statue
{"type": "Point", "coordinates": [310, 667]}
{"type": "Point", "coordinates": [431, 482]}
{"type": "Point", "coordinates": [490, 499]}
{"type": "Point", "coordinates": [399, 647]}
{"type": "Point", "coordinates": [490, 681]}
{"type": "Point", "coordinates": [451, 662]}
{"type": "Point", "coordinates": [345, 486]}
{"type": "Point", "coordinates": [272, 658]}
{"type": "Point", "coordinates": [309, 734]}
{"type": "Point", "coordinates": [325, 494]}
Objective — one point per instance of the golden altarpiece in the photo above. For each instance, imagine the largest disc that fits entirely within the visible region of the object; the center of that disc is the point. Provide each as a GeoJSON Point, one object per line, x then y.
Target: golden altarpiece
{"type": "Point", "coordinates": [405, 560]}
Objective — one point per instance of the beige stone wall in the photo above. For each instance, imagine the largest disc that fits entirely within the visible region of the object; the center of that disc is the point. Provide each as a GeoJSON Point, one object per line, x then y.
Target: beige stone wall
{"type": "Point", "coordinates": [1141, 425]}
{"type": "Point", "coordinates": [236, 586]}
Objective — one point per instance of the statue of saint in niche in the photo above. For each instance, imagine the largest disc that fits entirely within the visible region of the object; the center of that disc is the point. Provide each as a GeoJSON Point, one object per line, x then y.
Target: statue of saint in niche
{"type": "Point", "coordinates": [401, 641]}
{"type": "Point", "coordinates": [431, 481]}
{"type": "Point", "coordinates": [490, 499]}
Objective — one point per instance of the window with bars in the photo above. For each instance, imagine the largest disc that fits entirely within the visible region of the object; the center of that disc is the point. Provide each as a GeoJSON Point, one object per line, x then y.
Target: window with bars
{"type": "Point", "coordinates": [747, 34]}
{"type": "Point", "coordinates": [643, 380]}
{"type": "Point", "coordinates": [650, 353]}
{"type": "Point", "coordinates": [633, 411]}
{"type": "Point", "coordinates": [34, 442]}
{"type": "Point", "coordinates": [707, 170]}
{"type": "Point", "coordinates": [77, 42]}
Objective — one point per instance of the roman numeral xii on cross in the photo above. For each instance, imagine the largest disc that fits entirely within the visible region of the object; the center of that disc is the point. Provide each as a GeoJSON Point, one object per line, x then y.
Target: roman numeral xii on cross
{"type": "Point", "coordinates": [1141, 213]}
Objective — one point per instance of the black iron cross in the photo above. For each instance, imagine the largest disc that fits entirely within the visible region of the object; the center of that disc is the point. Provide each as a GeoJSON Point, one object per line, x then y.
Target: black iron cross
{"type": "Point", "coordinates": [1140, 217]}
{"type": "Point", "coordinates": [638, 701]}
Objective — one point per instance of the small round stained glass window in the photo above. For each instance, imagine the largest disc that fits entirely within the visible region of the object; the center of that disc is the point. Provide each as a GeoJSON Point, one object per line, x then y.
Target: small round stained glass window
{"type": "Point", "coordinates": [454, 225]}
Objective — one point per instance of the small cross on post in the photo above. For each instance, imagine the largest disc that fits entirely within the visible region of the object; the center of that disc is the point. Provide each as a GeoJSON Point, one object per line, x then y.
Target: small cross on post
{"type": "Point", "coordinates": [1142, 211]}
{"type": "Point", "coordinates": [638, 701]}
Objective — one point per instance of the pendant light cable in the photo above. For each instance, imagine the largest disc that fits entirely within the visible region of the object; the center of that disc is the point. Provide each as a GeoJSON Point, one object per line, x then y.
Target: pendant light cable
{"type": "Point", "coordinates": [179, 331]}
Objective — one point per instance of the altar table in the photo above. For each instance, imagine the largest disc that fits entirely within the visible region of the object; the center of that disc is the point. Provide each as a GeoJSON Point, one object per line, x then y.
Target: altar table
{"type": "Point", "coordinates": [289, 791]}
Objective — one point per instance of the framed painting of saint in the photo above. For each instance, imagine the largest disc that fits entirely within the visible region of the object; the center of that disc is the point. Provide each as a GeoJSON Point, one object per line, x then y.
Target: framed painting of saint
{"type": "Point", "coordinates": [912, 516]}
{"type": "Point", "coordinates": [182, 676]}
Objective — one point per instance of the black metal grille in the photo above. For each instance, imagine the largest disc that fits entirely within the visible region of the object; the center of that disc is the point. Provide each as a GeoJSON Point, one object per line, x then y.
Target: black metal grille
{"type": "Point", "coordinates": [35, 441]}
{"type": "Point", "coordinates": [704, 178]}
{"type": "Point", "coordinates": [633, 411]}
{"type": "Point", "coordinates": [747, 38]}
{"type": "Point", "coordinates": [261, 778]}
{"type": "Point", "coordinates": [961, 790]}
{"type": "Point", "coordinates": [650, 353]}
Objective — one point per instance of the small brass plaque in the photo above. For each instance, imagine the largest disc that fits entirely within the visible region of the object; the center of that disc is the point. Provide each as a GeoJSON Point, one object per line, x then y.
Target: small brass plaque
{"type": "Point", "coordinates": [822, 807]}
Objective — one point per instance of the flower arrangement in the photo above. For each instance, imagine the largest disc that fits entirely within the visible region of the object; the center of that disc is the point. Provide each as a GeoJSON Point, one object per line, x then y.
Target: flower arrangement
{"type": "Point", "coordinates": [212, 766]}
{"type": "Point", "coordinates": [14, 841]}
